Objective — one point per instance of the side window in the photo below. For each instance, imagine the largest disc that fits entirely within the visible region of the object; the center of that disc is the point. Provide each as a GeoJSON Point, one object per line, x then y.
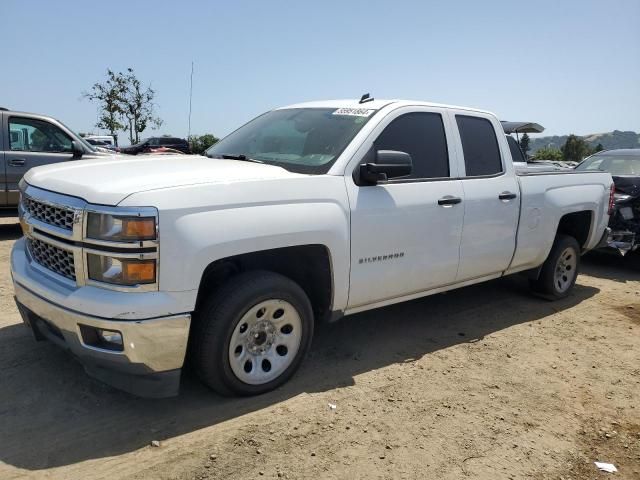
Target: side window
{"type": "Point", "coordinates": [479, 145]}
{"type": "Point", "coordinates": [31, 135]}
{"type": "Point", "coordinates": [421, 135]}
{"type": "Point", "coordinates": [153, 142]}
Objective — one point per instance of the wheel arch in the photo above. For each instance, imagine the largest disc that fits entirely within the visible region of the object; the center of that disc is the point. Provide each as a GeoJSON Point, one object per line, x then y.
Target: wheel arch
{"type": "Point", "coordinates": [578, 225]}
{"type": "Point", "coordinates": [310, 266]}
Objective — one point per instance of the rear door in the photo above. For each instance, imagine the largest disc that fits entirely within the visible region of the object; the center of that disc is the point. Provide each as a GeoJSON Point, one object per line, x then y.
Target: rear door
{"type": "Point", "coordinates": [3, 166]}
{"type": "Point", "coordinates": [33, 142]}
{"type": "Point", "coordinates": [405, 233]}
{"type": "Point", "coordinates": [491, 193]}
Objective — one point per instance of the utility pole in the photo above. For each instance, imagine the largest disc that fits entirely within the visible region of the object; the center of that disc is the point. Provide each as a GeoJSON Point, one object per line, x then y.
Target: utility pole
{"type": "Point", "coordinates": [190, 95]}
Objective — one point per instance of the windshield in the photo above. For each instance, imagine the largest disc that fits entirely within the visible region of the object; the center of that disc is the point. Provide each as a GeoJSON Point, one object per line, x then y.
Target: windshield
{"type": "Point", "coordinates": [622, 165]}
{"type": "Point", "coordinates": [304, 140]}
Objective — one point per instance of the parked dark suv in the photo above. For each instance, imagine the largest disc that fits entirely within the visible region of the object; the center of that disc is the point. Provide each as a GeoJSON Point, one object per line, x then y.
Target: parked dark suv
{"type": "Point", "coordinates": [151, 143]}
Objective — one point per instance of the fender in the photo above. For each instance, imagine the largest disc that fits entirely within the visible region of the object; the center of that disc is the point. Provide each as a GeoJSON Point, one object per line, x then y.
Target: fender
{"type": "Point", "coordinates": [200, 224]}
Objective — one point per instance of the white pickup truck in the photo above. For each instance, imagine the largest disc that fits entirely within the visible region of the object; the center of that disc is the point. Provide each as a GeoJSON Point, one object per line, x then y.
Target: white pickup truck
{"type": "Point", "coordinates": [305, 214]}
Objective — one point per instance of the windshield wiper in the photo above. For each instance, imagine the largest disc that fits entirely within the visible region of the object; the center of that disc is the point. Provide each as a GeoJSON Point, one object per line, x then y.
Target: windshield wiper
{"type": "Point", "coordinates": [242, 157]}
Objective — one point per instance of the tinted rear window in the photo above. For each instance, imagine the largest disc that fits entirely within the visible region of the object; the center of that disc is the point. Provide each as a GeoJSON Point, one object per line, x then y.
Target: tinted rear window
{"type": "Point", "coordinates": [479, 145]}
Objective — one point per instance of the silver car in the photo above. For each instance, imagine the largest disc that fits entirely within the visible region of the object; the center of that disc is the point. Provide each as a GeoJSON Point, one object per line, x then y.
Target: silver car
{"type": "Point", "coordinates": [29, 140]}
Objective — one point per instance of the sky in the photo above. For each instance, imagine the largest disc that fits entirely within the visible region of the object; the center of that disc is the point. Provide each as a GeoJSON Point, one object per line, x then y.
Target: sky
{"type": "Point", "coordinates": [572, 66]}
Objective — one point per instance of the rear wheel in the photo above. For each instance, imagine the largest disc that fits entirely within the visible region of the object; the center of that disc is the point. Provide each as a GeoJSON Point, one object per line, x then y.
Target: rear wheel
{"type": "Point", "coordinates": [252, 334]}
{"type": "Point", "coordinates": [560, 269]}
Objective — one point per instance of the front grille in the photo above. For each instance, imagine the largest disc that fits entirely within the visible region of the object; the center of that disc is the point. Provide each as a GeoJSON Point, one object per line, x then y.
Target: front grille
{"type": "Point", "coordinates": [57, 216]}
{"type": "Point", "coordinates": [55, 259]}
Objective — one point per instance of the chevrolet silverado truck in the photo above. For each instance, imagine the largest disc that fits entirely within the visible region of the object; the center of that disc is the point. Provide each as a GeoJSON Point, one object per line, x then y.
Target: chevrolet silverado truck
{"type": "Point", "coordinates": [306, 214]}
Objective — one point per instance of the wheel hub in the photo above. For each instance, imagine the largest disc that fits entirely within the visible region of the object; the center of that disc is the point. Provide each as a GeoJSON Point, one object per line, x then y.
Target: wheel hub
{"type": "Point", "coordinates": [565, 270]}
{"type": "Point", "coordinates": [265, 341]}
{"type": "Point", "coordinates": [261, 337]}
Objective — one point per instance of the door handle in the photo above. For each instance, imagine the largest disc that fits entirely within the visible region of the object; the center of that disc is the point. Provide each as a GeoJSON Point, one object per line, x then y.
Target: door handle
{"type": "Point", "coordinates": [449, 201]}
{"type": "Point", "coordinates": [17, 162]}
{"type": "Point", "coordinates": [507, 196]}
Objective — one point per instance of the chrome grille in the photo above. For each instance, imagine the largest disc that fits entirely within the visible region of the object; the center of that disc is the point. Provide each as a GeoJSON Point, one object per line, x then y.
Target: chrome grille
{"type": "Point", "coordinates": [57, 216]}
{"type": "Point", "coordinates": [53, 258]}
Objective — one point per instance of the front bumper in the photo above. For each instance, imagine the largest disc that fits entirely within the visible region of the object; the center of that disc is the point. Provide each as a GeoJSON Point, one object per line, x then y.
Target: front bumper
{"type": "Point", "coordinates": [153, 349]}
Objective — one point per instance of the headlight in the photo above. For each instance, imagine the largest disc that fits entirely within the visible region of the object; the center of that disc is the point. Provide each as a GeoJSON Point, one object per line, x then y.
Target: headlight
{"type": "Point", "coordinates": [121, 271]}
{"type": "Point", "coordinates": [101, 226]}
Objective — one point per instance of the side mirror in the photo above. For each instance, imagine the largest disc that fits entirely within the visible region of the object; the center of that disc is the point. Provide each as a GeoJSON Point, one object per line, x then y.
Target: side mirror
{"type": "Point", "coordinates": [77, 150]}
{"type": "Point", "coordinates": [389, 164]}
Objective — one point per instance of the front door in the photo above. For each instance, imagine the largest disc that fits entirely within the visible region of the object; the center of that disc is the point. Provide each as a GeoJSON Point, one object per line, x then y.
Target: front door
{"type": "Point", "coordinates": [32, 142]}
{"type": "Point", "coordinates": [405, 233]}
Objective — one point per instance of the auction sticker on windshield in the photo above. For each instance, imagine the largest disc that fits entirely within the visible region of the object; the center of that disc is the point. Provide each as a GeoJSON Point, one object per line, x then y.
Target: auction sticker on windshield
{"type": "Point", "coordinates": [355, 112]}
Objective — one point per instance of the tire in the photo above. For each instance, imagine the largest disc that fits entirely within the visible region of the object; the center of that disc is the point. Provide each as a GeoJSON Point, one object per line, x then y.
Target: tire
{"type": "Point", "coordinates": [252, 334]}
{"type": "Point", "coordinates": [560, 270]}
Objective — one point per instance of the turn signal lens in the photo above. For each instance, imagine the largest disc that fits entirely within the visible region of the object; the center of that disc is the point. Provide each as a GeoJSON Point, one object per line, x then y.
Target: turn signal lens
{"type": "Point", "coordinates": [143, 271]}
{"type": "Point", "coordinates": [142, 228]}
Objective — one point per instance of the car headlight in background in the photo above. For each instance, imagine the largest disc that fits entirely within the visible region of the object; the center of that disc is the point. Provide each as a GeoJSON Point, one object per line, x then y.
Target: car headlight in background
{"type": "Point", "coordinates": [121, 271]}
{"type": "Point", "coordinates": [113, 228]}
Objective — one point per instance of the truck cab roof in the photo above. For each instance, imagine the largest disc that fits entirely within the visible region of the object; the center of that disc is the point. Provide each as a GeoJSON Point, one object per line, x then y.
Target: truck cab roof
{"type": "Point", "coordinates": [377, 104]}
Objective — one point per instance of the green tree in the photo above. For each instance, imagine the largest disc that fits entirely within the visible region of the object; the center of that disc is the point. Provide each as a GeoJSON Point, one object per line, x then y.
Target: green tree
{"type": "Point", "coordinates": [548, 153]}
{"type": "Point", "coordinates": [599, 148]}
{"type": "Point", "coordinates": [137, 104]}
{"type": "Point", "coordinates": [575, 149]}
{"type": "Point", "coordinates": [200, 143]}
{"type": "Point", "coordinates": [124, 104]}
{"type": "Point", "coordinates": [108, 96]}
{"type": "Point", "coordinates": [524, 144]}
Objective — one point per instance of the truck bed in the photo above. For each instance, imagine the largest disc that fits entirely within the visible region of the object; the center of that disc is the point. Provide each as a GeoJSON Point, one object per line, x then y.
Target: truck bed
{"type": "Point", "coordinates": [545, 197]}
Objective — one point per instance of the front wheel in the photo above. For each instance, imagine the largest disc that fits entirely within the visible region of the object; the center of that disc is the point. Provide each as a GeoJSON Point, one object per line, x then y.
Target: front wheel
{"type": "Point", "coordinates": [252, 334]}
{"type": "Point", "coordinates": [560, 269]}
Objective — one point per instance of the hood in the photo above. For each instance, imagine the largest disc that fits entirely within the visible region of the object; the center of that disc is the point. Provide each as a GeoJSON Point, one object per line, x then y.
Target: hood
{"type": "Point", "coordinates": [109, 181]}
{"type": "Point", "coordinates": [628, 184]}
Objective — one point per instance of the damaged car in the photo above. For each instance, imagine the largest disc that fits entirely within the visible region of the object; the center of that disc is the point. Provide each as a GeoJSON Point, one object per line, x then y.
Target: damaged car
{"type": "Point", "coordinates": [624, 167]}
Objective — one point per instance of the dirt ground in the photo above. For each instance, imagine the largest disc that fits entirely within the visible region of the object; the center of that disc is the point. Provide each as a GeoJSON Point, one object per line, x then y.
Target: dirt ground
{"type": "Point", "coordinates": [486, 382]}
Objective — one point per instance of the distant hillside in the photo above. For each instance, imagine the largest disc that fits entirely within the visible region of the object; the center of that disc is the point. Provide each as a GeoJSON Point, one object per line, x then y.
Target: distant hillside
{"type": "Point", "coordinates": [610, 140]}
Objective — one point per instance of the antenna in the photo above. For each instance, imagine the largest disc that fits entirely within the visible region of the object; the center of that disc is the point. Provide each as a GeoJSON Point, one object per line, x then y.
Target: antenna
{"type": "Point", "coordinates": [190, 96]}
{"type": "Point", "coordinates": [366, 98]}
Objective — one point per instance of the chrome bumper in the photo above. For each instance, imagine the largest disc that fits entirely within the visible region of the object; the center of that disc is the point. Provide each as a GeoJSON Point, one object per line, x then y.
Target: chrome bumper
{"type": "Point", "coordinates": [153, 349]}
